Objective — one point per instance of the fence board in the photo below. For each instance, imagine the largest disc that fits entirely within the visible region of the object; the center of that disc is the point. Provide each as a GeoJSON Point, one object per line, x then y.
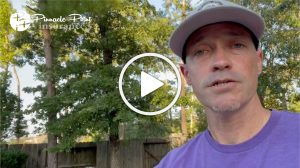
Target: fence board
{"type": "Point", "coordinates": [134, 154]}
{"type": "Point", "coordinates": [102, 157]}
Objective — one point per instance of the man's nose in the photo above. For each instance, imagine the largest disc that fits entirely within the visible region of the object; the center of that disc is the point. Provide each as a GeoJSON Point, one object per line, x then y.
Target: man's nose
{"type": "Point", "coordinates": [221, 60]}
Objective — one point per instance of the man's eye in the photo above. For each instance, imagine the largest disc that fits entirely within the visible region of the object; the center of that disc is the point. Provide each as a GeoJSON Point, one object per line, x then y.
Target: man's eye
{"type": "Point", "coordinates": [200, 52]}
{"type": "Point", "coordinates": [238, 45]}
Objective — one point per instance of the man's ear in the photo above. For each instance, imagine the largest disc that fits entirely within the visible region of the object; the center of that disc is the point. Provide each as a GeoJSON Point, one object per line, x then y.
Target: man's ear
{"type": "Point", "coordinates": [185, 73]}
{"type": "Point", "coordinates": [259, 54]}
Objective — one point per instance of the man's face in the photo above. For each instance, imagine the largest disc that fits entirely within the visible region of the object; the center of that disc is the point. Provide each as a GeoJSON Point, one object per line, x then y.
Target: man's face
{"type": "Point", "coordinates": [222, 65]}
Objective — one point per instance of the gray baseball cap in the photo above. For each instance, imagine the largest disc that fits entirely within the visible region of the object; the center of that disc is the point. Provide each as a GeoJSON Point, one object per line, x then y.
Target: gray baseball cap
{"type": "Point", "coordinates": [215, 11]}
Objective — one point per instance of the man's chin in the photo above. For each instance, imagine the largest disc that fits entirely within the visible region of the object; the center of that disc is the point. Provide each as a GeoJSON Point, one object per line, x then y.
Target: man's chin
{"type": "Point", "coordinates": [223, 108]}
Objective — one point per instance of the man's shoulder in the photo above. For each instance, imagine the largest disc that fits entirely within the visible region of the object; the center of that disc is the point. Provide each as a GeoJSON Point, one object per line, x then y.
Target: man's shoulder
{"type": "Point", "coordinates": [190, 144]}
{"type": "Point", "coordinates": [180, 154]}
{"type": "Point", "coordinates": [286, 112]}
{"type": "Point", "coordinates": [287, 115]}
{"type": "Point", "coordinates": [289, 121]}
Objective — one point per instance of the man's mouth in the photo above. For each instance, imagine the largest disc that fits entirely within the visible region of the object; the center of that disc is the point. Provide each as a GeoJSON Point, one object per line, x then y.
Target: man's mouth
{"type": "Point", "coordinates": [220, 82]}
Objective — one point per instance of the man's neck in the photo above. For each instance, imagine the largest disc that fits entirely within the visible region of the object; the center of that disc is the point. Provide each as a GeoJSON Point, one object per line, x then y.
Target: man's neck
{"type": "Point", "coordinates": [238, 126]}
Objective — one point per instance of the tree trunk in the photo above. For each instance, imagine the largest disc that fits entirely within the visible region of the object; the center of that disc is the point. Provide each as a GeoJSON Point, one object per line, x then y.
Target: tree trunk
{"type": "Point", "coordinates": [114, 143]}
{"type": "Point", "coordinates": [191, 123]}
{"type": "Point", "coordinates": [18, 84]}
{"type": "Point", "coordinates": [107, 57]}
{"type": "Point", "coordinates": [114, 152]}
{"type": "Point", "coordinates": [183, 9]}
{"type": "Point", "coordinates": [284, 101]}
{"type": "Point", "coordinates": [18, 112]}
{"type": "Point", "coordinates": [183, 110]}
{"type": "Point", "coordinates": [52, 139]}
{"type": "Point", "coordinates": [183, 122]}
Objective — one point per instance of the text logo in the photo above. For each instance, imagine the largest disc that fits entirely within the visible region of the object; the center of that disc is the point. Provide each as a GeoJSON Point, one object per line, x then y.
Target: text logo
{"type": "Point", "coordinates": [21, 21]}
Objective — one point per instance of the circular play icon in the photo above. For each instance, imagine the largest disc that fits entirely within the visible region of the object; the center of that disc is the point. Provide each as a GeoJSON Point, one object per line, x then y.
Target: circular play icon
{"type": "Point", "coordinates": [149, 84]}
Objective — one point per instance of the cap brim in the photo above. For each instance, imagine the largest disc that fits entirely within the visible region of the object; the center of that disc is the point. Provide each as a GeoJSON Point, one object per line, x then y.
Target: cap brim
{"type": "Point", "coordinates": [239, 15]}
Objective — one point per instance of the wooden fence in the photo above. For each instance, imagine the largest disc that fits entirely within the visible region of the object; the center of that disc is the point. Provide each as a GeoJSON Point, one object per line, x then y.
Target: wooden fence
{"type": "Point", "coordinates": [134, 154]}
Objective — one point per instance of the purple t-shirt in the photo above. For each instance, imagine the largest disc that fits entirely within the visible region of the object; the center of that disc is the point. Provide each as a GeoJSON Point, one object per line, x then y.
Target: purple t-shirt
{"type": "Point", "coordinates": [277, 145]}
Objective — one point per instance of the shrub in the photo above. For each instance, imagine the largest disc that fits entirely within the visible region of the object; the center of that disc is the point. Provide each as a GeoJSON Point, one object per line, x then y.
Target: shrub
{"type": "Point", "coordinates": [12, 158]}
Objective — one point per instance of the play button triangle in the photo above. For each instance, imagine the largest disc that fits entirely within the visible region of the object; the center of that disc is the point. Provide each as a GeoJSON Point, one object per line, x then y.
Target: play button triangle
{"type": "Point", "coordinates": [149, 84]}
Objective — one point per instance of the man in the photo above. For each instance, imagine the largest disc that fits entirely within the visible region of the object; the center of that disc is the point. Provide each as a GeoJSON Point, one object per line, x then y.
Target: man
{"type": "Point", "coordinates": [218, 43]}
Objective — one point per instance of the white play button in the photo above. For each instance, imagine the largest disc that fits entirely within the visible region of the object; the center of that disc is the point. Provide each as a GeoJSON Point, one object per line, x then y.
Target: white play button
{"type": "Point", "coordinates": [149, 84]}
{"type": "Point", "coordinates": [136, 100]}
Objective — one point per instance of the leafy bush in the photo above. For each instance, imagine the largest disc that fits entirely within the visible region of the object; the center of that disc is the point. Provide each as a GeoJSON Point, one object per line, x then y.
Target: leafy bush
{"type": "Point", "coordinates": [12, 158]}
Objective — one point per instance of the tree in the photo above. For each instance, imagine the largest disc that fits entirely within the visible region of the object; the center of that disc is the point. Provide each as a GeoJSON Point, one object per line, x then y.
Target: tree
{"type": "Point", "coordinates": [177, 10]}
{"type": "Point", "coordinates": [10, 103]}
{"type": "Point", "coordinates": [6, 52]}
{"type": "Point", "coordinates": [87, 67]}
{"type": "Point", "coordinates": [294, 103]}
{"type": "Point", "coordinates": [119, 34]}
{"type": "Point", "coordinates": [52, 138]}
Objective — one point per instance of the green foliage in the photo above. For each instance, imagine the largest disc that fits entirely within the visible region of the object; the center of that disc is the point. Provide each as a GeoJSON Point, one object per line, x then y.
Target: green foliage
{"type": "Point", "coordinates": [176, 10]}
{"type": "Point", "coordinates": [8, 106]}
{"type": "Point", "coordinates": [201, 123]}
{"type": "Point", "coordinates": [196, 117]}
{"type": "Point", "coordinates": [147, 127]}
{"type": "Point", "coordinates": [57, 8]}
{"type": "Point", "coordinates": [92, 104]}
{"type": "Point", "coordinates": [19, 125]}
{"type": "Point", "coordinates": [294, 103]}
{"type": "Point", "coordinates": [12, 158]}
{"type": "Point", "coordinates": [88, 61]}
{"type": "Point", "coordinates": [10, 103]}
{"type": "Point", "coordinates": [6, 51]}
{"type": "Point", "coordinates": [86, 69]}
